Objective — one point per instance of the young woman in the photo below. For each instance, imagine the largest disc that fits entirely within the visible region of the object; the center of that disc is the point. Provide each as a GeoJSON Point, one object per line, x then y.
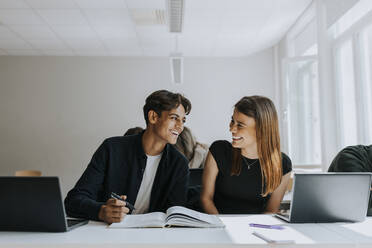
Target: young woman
{"type": "Point", "coordinates": [250, 174]}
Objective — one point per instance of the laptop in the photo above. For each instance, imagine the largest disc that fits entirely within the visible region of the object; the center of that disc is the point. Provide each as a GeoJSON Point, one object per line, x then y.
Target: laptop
{"type": "Point", "coordinates": [33, 204]}
{"type": "Point", "coordinates": [329, 197]}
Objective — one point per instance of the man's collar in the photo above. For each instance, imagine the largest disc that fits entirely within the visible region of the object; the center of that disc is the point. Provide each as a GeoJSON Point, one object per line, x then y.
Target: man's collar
{"type": "Point", "coordinates": [140, 149]}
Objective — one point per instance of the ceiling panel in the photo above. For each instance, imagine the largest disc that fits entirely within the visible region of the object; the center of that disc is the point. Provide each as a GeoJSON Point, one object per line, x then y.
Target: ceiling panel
{"type": "Point", "coordinates": [106, 28]}
{"type": "Point", "coordinates": [62, 16]}
{"type": "Point", "coordinates": [205, 5]}
{"type": "Point", "coordinates": [101, 4]}
{"type": "Point", "coordinates": [19, 17]}
{"type": "Point", "coordinates": [133, 51]}
{"type": "Point", "coordinates": [50, 44]}
{"type": "Point", "coordinates": [66, 52]}
{"type": "Point", "coordinates": [5, 33]}
{"type": "Point", "coordinates": [156, 51]}
{"type": "Point", "coordinates": [14, 44]}
{"type": "Point", "coordinates": [121, 44]}
{"type": "Point", "coordinates": [33, 32]}
{"type": "Point", "coordinates": [23, 52]}
{"type": "Point", "coordinates": [92, 52]}
{"type": "Point", "coordinates": [13, 4]}
{"type": "Point", "coordinates": [52, 4]}
{"type": "Point", "coordinates": [84, 44]}
{"type": "Point", "coordinates": [107, 17]}
{"type": "Point", "coordinates": [75, 32]}
{"type": "Point", "coordinates": [210, 19]}
{"type": "Point", "coordinates": [115, 32]}
{"type": "Point", "coordinates": [155, 36]}
{"type": "Point", "coordinates": [146, 4]}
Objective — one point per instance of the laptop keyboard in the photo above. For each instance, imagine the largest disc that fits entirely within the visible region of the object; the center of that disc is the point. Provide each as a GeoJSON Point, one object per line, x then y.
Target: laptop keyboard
{"type": "Point", "coordinates": [285, 215]}
{"type": "Point", "coordinates": [72, 222]}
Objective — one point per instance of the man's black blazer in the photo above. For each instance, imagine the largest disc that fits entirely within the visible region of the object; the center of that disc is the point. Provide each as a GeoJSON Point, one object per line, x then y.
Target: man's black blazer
{"type": "Point", "coordinates": [118, 166]}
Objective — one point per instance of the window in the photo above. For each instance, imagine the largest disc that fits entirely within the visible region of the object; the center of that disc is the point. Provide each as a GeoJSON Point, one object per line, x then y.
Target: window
{"type": "Point", "coordinates": [344, 76]}
{"type": "Point", "coordinates": [303, 111]}
{"type": "Point", "coordinates": [304, 43]}
{"type": "Point", "coordinates": [300, 93]}
{"type": "Point", "coordinates": [352, 47]}
{"type": "Point", "coordinates": [366, 82]}
{"type": "Point", "coordinates": [352, 16]}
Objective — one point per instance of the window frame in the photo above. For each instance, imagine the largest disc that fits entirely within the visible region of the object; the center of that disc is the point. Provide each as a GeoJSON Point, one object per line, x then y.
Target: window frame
{"type": "Point", "coordinates": [286, 112]}
{"type": "Point", "coordinates": [354, 34]}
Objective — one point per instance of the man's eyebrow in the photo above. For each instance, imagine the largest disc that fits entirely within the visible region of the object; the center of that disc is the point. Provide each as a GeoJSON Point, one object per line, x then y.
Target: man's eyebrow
{"type": "Point", "coordinates": [173, 114]}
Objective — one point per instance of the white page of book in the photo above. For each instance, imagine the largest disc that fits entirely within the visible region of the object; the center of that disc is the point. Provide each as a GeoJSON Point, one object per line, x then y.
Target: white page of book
{"type": "Point", "coordinates": [201, 217]}
{"type": "Point", "coordinates": [156, 219]}
{"type": "Point", "coordinates": [187, 223]}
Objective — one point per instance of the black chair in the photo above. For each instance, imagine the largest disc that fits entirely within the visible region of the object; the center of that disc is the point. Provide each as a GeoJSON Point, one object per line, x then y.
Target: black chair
{"type": "Point", "coordinates": [194, 189]}
{"type": "Point", "coordinates": [196, 176]}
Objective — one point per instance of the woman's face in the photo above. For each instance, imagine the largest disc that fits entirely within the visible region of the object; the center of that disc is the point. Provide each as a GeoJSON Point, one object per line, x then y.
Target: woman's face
{"type": "Point", "coordinates": [243, 130]}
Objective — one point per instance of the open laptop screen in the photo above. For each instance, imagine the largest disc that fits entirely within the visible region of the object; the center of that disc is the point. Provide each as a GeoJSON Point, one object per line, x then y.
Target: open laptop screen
{"type": "Point", "coordinates": [31, 204]}
{"type": "Point", "coordinates": [330, 197]}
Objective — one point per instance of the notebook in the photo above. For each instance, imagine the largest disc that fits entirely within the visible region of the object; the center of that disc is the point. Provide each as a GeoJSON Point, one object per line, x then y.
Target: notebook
{"type": "Point", "coordinates": [329, 197]}
{"type": "Point", "coordinates": [33, 204]}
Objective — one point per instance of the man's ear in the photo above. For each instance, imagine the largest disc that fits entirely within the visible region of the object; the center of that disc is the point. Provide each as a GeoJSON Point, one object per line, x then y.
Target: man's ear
{"type": "Point", "coordinates": [153, 116]}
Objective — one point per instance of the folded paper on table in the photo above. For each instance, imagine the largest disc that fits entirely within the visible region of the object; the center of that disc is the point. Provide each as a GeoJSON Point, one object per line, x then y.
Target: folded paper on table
{"type": "Point", "coordinates": [273, 238]}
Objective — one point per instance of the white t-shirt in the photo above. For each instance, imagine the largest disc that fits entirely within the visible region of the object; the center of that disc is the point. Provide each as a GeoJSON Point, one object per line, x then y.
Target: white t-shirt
{"type": "Point", "coordinates": [142, 203]}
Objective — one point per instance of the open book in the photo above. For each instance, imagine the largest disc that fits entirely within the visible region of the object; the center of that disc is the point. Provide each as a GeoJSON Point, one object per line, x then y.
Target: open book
{"type": "Point", "coordinates": [175, 216]}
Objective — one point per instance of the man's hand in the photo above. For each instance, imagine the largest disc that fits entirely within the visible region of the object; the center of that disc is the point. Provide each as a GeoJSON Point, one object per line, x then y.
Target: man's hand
{"type": "Point", "coordinates": [113, 211]}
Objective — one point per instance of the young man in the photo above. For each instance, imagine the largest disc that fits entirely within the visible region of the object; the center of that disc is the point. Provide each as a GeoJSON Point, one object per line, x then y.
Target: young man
{"type": "Point", "coordinates": [144, 169]}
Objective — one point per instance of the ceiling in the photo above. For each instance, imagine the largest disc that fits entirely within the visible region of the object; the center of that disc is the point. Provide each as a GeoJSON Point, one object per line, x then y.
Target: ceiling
{"type": "Point", "coordinates": [212, 28]}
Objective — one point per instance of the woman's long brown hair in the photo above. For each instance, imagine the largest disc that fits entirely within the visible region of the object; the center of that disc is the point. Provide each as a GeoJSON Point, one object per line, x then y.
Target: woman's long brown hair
{"type": "Point", "coordinates": [263, 111]}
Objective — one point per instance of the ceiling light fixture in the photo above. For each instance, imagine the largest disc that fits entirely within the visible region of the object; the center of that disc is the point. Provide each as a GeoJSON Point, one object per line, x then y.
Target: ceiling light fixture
{"type": "Point", "coordinates": [176, 64]}
{"type": "Point", "coordinates": [175, 11]}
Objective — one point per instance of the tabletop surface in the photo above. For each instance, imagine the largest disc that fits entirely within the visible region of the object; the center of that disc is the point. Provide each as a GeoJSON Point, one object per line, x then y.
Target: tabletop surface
{"type": "Point", "coordinates": [237, 233]}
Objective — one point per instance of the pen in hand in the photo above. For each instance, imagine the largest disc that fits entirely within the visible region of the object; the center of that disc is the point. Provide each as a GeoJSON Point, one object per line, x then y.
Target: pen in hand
{"type": "Point", "coordinates": [127, 204]}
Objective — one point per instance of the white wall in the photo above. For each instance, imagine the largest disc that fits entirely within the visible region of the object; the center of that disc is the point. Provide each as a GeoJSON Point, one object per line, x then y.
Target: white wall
{"type": "Point", "coordinates": [55, 111]}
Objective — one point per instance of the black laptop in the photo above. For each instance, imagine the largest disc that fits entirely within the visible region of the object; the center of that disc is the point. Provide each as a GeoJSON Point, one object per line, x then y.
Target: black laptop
{"type": "Point", "coordinates": [33, 204]}
{"type": "Point", "coordinates": [329, 197]}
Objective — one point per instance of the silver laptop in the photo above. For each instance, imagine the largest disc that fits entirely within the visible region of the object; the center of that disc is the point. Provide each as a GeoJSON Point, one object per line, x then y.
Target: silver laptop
{"type": "Point", "coordinates": [33, 204]}
{"type": "Point", "coordinates": [329, 197]}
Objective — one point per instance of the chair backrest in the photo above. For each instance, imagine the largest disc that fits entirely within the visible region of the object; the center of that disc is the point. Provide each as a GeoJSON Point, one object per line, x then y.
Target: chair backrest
{"type": "Point", "coordinates": [193, 194]}
{"type": "Point", "coordinates": [28, 173]}
{"type": "Point", "coordinates": [196, 176]}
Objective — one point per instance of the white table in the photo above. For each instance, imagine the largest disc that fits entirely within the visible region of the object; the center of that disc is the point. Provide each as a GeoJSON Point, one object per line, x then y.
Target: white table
{"type": "Point", "coordinates": [236, 234]}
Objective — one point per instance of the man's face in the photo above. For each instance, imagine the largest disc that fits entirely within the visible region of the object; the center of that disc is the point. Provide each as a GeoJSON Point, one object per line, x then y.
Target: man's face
{"type": "Point", "coordinates": [170, 124]}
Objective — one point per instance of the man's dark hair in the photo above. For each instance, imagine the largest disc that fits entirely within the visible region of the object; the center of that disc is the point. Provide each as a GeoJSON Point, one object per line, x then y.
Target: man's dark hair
{"type": "Point", "coordinates": [163, 100]}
